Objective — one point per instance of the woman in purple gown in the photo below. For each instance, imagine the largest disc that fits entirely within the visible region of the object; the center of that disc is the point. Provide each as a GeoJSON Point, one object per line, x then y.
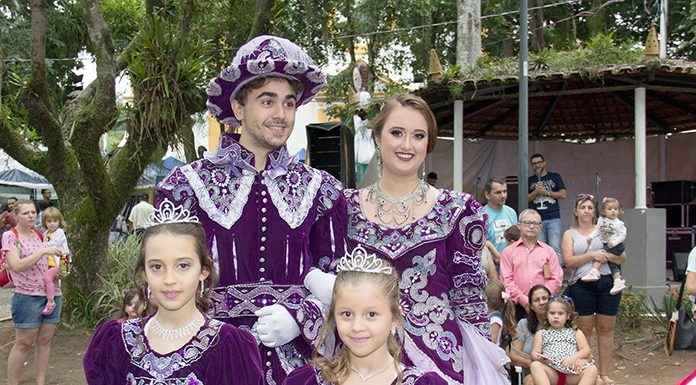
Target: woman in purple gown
{"type": "Point", "coordinates": [434, 239]}
{"type": "Point", "coordinates": [365, 314]}
{"type": "Point", "coordinates": [179, 344]}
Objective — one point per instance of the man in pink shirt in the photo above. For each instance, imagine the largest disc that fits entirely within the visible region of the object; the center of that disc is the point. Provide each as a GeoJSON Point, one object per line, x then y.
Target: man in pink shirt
{"type": "Point", "coordinates": [529, 262]}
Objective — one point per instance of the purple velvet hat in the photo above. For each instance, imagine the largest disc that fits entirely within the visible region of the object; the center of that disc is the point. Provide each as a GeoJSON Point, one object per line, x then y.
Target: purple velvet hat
{"type": "Point", "coordinates": [260, 57]}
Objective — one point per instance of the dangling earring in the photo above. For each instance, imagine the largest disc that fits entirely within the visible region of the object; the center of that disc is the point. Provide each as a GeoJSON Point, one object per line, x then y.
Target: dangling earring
{"type": "Point", "coordinates": [149, 292]}
{"type": "Point", "coordinates": [202, 287]}
{"type": "Point", "coordinates": [423, 172]}
{"type": "Point", "coordinates": [393, 331]}
{"type": "Point", "coordinates": [379, 164]}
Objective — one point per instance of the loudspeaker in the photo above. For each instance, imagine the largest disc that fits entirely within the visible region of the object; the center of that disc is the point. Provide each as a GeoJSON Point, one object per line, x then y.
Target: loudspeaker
{"type": "Point", "coordinates": [679, 240]}
{"type": "Point", "coordinates": [678, 191]}
{"type": "Point", "coordinates": [675, 215]}
{"type": "Point", "coordinates": [513, 190]}
{"type": "Point", "coordinates": [330, 148]}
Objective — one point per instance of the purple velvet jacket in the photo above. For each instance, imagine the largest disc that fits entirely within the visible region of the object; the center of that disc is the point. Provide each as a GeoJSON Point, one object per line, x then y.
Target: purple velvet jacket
{"type": "Point", "coordinates": [265, 231]}
{"type": "Point", "coordinates": [308, 375]}
{"type": "Point", "coordinates": [119, 353]}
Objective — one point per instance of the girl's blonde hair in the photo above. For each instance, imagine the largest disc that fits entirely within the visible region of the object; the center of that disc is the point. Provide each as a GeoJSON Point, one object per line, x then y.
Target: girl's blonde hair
{"type": "Point", "coordinates": [607, 201]}
{"type": "Point", "coordinates": [55, 214]}
{"type": "Point", "coordinates": [496, 302]}
{"type": "Point", "coordinates": [571, 320]}
{"type": "Point", "coordinates": [337, 371]}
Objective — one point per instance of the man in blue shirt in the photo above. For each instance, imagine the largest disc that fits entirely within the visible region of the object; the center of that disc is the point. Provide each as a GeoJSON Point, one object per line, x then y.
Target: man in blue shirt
{"type": "Point", "coordinates": [500, 215]}
{"type": "Point", "coordinates": [545, 189]}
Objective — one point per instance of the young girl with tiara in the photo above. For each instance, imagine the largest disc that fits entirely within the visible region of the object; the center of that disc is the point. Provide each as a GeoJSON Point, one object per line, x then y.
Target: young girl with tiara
{"type": "Point", "coordinates": [365, 312]}
{"type": "Point", "coordinates": [179, 344]}
{"type": "Point", "coordinates": [54, 223]}
{"type": "Point", "coordinates": [560, 352]}
{"type": "Point", "coordinates": [612, 232]}
{"type": "Point", "coordinates": [502, 314]}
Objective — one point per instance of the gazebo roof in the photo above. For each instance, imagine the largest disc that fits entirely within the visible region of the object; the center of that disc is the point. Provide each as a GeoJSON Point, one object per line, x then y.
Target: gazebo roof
{"type": "Point", "coordinates": [572, 104]}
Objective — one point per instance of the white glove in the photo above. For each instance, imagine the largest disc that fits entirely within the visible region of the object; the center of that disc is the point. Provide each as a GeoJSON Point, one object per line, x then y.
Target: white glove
{"type": "Point", "coordinates": [276, 326]}
{"type": "Point", "coordinates": [321, 285]}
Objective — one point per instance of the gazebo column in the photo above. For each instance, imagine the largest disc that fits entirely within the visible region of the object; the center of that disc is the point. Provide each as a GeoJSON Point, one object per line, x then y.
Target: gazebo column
{"type": "Point", "coordinates": [458, 165]}
{"type": "Point", "coordinates": [645, 242]}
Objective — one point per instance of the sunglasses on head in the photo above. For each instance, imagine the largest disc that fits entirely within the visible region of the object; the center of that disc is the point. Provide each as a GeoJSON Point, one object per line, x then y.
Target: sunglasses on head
{"type": "Point", "coordinates": [585, 196]}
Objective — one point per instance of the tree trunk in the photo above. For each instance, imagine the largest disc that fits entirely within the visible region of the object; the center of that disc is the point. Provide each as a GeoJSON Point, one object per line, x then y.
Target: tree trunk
{"type": "Point", "coordinates": [596, 23]}
{"type": "Point", "coordinates": [263, 18]}
{"type": "Point", "coordinates": [537, 26]}
{"type": "Point", "coordinates": [468, 33]}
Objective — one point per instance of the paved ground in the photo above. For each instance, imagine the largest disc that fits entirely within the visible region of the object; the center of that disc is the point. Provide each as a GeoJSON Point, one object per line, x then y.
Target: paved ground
{"type": "Point", "coordinates": [5, 303]}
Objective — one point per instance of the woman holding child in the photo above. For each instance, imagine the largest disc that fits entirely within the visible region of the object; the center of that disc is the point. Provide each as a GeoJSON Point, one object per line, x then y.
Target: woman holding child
{"type": "Point", "coordinates": [27, 258]}
{"type": "Point", "coordinates": [434, 239]}
{"type": "Point", "coordinates": [596, 306]}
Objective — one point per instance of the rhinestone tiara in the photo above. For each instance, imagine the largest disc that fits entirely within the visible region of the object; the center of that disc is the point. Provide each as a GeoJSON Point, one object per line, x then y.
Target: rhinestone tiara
{"type": "Point", "coordinates": [360, 260]}
{"type": "Point", "coordinates": [168, 212]}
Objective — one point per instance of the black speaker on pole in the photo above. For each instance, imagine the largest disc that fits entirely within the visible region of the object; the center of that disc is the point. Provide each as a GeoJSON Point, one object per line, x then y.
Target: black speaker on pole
{"type": "Point", "coordinates": [513, 191]}
{"type": "Point", "coordinates": [330, 148]}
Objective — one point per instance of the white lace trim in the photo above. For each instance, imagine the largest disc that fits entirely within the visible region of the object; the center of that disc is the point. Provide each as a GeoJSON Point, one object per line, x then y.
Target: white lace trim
{"type": "Point", "coordinates": [293, 217]}
{"type": "Point", "coordinates": [235, 208]}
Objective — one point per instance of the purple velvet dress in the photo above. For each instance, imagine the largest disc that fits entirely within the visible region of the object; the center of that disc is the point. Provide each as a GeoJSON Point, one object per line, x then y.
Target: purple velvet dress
{"type": "Point", "coordinates": [265, 230]}
{"type": "Point", "coordinates": [442, 286]}
{"type": "Point", "coordinates": [219, 354]}
{"type": "Point", "coordinates": [308, 375]}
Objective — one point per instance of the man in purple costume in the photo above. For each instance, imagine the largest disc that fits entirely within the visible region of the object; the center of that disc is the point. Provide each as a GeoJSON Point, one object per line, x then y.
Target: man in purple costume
{"type": "Point", "coordinates": [267, 217]}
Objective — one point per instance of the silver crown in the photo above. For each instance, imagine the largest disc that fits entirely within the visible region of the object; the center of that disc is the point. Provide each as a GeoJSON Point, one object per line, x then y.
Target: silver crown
{"type": "Point", "coordinates": [168, 212]}
{"type": "Point", "coordinates": [360, 260]}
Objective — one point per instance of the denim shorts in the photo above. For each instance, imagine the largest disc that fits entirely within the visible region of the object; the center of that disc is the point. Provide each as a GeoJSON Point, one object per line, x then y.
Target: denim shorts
{"type": "Point", "coordinates": [26, 311]}
{"type": "Point", "coordinates": [593, 297]}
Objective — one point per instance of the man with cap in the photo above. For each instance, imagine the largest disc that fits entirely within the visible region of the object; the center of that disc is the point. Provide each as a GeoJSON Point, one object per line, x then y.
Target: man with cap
{"type": "Point", "coordinates": [268, 218]}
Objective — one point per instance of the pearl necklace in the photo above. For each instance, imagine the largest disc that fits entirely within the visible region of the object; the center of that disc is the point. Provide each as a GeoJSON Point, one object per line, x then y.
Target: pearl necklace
{"type": "Point", "coordinates": [397, 211]}
{"type": "Point", "coordinates": [365, 377]}
{"type": "Point", "coordinates": [173, 334]}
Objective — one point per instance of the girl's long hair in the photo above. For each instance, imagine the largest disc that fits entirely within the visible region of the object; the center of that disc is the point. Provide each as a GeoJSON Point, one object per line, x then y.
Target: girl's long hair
{"type": "Point", "coordinates": [337, 370]}
{"type": "Point", "coordinates": [494, 295]}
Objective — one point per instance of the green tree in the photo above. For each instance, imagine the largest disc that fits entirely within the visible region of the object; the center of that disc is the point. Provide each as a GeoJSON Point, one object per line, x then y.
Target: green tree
{"type": "Point", "coordinates": [167, 67]}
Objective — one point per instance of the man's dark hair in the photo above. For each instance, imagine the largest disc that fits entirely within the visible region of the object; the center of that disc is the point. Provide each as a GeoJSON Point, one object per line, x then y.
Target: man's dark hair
{"type": "Point", "coordinates": [257, 83]}
{"type": "Point", "coordinates": [489, 183]}
{"type": "Point", "coordinates": [143, 197]}
{"type": "Point", "coordinates": [536, 155]}
{"type": "Point", "coordinates": [43, 190]}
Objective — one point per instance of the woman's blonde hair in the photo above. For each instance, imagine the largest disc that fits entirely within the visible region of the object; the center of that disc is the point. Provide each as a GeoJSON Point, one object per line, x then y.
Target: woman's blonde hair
{"type": "Point", "coordinates": [411, 101]}
{"type": "Point", "coordinates": [55, 214]}
{"type": "Point", "coordinates": [337, 371]}
{"type": "Point", "coordinates": [22, 202]}
{"type": "Point", "coordinates": [580, 199]}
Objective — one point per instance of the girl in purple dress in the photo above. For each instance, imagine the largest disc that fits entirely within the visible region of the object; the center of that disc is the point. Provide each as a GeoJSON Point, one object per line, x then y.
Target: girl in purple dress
{"type": "Point", "coordinates": [365, 313]}
{"type": "Point", "coordinates": [434, 238]}
{"type": "Point", "coordinates": [179, 344]}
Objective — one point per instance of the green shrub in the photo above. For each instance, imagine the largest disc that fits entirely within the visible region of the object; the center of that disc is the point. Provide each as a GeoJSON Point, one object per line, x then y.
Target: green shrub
{"type": "Point", "coordinates": [631, 310]}
{"type": "Point", "coordinates": [98, 307]}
